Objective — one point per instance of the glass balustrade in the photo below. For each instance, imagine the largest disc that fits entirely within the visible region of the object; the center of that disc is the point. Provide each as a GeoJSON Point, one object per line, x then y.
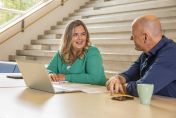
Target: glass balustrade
{"type": "Point", "coordinates": [11, 9]}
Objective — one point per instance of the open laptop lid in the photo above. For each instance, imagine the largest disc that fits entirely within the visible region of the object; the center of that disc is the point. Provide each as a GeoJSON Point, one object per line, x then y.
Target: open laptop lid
{"type": "Point", "coordinates": [35, 75]}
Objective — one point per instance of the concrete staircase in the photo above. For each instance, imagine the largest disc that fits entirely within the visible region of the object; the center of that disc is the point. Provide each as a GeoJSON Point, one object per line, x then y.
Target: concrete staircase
{"type": "Point", "coordinates": [108, 22]}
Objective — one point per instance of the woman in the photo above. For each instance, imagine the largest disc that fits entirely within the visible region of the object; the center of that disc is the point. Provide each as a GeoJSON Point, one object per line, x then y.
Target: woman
{"type": "Point", "coordinates": [77, 60]}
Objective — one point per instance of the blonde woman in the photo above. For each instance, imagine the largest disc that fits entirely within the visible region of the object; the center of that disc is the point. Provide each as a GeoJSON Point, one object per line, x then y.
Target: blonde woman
{"type": "Point", "coordinates": [77, 60]}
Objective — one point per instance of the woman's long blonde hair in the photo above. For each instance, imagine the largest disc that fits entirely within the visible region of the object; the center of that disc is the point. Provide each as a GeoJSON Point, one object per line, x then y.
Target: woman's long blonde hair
{"type": "Point", "coordinates": [66, 50]}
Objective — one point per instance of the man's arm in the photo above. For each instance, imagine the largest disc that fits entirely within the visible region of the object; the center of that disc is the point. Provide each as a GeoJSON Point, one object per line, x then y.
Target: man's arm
{"type": "Point", "coordinates": [133, 72]}
{"type": "Point", "coordinates": [116, 83]}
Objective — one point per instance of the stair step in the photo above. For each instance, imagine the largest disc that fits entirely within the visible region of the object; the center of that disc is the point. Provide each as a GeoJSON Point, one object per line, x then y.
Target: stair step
{"type": "Point", "coordinates": [153, 4]}
{"type": "Point", "coordinates": [127, 35]}
{"type": "Point", "coordinates": [118, 61]}
{"type": "Point", "coordinates": [106, 23]}
{"type": "Point", "coordinates": [120, 56]}
{"type": "Point", "coordinates": [41, 53]}
{"type": "Point", "coordinates": [95, 25]}
{"type": "Point", "coordinates": [54, 36]}
{"type": "Point", "coordinates": [36, 47]}
{"type": "Point", "coordinates": [75, 17]}
{"type": "Point", "coordinates": [103, 48]}
{"type": "Point", "coordinates": [92, 3]}
{"type": "Point", "coordinates": [115, 3]}
{"type": "Point", "coordinates": [116, 45]}
{"type": "Point", "coordinates": [170, 33]}
{"type": "Point", "coordinates": [46, 42]}
{"type": "Point", "coordinates": [116, 65]}
{"type": "Point", "coordinates": [106, 56]}
{"type": "Point", "coordinates": [112, 29]}
{"type": "Point", "coordinates": [94, 30]}
{"type": "Point", "coordinates": [85, 9]}
{"type": "Point", "coordinates": [128, 17]}
{"type": "Point", "coordinates": [96, 41]}
{"type": "Point", "coordinates": [111, 3]}
{"type": "Point", "coordinates": [44, 60]}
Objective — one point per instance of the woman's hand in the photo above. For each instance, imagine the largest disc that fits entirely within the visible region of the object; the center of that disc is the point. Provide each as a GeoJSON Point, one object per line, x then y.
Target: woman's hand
{"type": "Point", "coordinates": [56, 77]}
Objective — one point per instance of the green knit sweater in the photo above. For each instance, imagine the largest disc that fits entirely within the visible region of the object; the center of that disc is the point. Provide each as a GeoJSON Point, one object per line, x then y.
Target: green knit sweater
{"type": "Point", "coordinates": [88, 70]}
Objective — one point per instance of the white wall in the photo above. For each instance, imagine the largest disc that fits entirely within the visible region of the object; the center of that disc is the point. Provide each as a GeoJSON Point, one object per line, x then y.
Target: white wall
{"type": "Point", "coordinates": [17, 42]}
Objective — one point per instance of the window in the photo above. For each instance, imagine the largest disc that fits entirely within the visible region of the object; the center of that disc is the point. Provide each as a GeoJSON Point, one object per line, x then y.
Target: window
{"type": "Point", "coordinates": [10, 9]}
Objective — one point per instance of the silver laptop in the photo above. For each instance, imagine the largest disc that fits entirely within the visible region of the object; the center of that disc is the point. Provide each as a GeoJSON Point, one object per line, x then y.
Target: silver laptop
{"type": "Point", "coordinates": [36, 77]}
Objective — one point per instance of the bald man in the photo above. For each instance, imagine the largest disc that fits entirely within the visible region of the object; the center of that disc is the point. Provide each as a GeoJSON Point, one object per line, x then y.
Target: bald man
{"type": "Point", "coordinates": [156, 65]}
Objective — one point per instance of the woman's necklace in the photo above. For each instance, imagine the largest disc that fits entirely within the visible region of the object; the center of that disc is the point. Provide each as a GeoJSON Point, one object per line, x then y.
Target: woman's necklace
{"type": "Point", "coordinates": [68, 67]}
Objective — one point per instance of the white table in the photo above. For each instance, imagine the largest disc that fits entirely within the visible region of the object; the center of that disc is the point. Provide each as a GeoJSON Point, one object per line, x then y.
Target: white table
{"type": "Point", "coordinates": [22, 102]}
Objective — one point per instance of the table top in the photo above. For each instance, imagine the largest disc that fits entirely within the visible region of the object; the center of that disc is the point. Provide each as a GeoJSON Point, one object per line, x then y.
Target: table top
{"type": "Point", "coordinates": [22, 102]}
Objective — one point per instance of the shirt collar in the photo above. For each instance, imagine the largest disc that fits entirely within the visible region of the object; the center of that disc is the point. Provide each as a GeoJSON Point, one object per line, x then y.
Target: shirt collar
{"type": "Point", "coordinates": [158, 46]}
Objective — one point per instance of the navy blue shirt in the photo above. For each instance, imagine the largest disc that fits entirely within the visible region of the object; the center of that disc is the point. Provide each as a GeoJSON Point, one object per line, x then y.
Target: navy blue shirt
{"type": "Point", "coordinates": [158, 67]}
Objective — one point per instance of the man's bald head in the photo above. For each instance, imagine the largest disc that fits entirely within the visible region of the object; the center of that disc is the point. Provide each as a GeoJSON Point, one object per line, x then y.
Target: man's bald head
{"type": "Point", "coordinates": [146, 32]}
{"type": "Point", "coordinates": [150, 24]}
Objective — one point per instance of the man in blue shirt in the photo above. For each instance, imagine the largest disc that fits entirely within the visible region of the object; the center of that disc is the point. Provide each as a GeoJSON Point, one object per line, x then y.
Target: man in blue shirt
{"type": "Point", "coordinates": [156, 65]}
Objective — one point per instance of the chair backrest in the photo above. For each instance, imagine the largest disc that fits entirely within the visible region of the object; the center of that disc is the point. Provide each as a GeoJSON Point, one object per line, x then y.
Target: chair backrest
{"type": "Point", "coordinates": [8, 67]}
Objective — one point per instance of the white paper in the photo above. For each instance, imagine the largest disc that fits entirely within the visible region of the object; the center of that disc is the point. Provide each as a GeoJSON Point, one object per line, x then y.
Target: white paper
{"type": "Point", "coordinates": [87, 88]}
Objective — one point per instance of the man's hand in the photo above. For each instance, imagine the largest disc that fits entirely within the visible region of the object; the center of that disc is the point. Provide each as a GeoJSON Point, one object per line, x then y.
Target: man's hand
{"type": "Point", "coordinates": [115, 84]}
{"type": "Point", "coordinates": [57, 77]}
